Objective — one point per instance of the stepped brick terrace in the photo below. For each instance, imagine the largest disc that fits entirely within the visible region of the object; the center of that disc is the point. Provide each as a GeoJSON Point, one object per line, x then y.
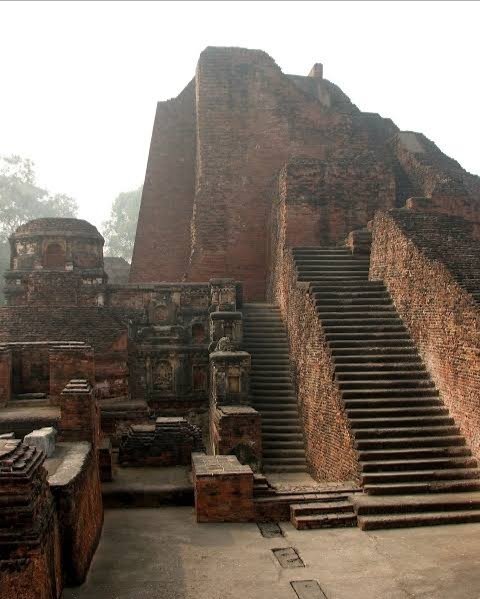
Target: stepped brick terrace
{"type": "Point", "coordinates": [295, 348]}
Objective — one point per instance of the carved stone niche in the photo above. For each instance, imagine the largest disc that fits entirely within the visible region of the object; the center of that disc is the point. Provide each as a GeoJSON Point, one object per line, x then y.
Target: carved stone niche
{"type": "Point", "coordinates": [199, 377]}
{"type": "Point", "coordinates": [199, 332]}
{"type": "Point", "coordinates": [162, 376]}
{"type": "Point", "coordinates": [161, 311]}
{"type": "Point", "coordinates": [226, 324]}
{"type": "Point", "coordinates": [229, 375]}
{"type": "Point", "coordinates": [223, 296]}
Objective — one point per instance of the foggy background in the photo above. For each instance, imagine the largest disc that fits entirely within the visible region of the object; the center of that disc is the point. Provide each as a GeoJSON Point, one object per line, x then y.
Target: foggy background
{"type": "Point", "coordinates": [80, 80]}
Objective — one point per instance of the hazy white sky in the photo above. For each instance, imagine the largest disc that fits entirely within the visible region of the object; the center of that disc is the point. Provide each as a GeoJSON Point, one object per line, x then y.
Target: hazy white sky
{"type": "Point", "coordinates": [80, 80]}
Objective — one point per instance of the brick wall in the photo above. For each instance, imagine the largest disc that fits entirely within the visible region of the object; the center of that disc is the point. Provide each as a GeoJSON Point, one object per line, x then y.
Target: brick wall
{"type": "Point", "coordinates": [427, 260]}
{"type": "Point", "coordinates": [162, 246]}
{"type": "Point", "coordinates": [79, 507]}
{"type": "Point", "coordinates": [328, 439]}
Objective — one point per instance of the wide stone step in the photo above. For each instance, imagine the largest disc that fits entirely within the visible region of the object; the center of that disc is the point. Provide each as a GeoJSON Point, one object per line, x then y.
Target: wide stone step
{"type": "Point", "coordinates": [422, 519]}
{"type": "Point", "coordinates": [411, 504]}
{"type": "Point", "coordinates": [329, 520]}
{"type": "Point", "coordinates": [371, 339]}
{"type": "Point", "coordinates": [428, 475]}
{"type": "Point", "coordinates": [270, 453]}
{"type": "Point", "coordinates": [348, 311]}
{"type": "Point", "coordinates": [438, 486]}
{"type": "Point", "coordinates": [361, 328]}
{"type": "Point", "coordinates": [347, 286]}
{"type": "Point", "coordinates": [418, 453]}
{"type": "Point", "coordinates": [392, 403]}
{"type": "Point", "coordinates": [273, 392]}
{"type": "Point", "coordinates": [410, 442]}
{"type": "Point", "coordinates": [267, 378]}
{"type": "Point", "coordinates": [409, 411]}
{"type": "Point", "coordinates": [384, 383]}
{"type": "Point", "coordinates": [272, 384]}
{"type": "Point", "coordinates": [381, 375]}
{"type": "Point", "coordinates": [318, 278]}
{"type": "Point", "coordinates": [381, 393]}
{"type": "Point", "coordinates": [366, 323]}
{"type": "Point", "coordinates": [418, 464]}
{"type": "Point", "coordinates": [326, 262]}
{"type": "Point", "coordinates": [285, 416]}
{"type": "Point", "coordinates": [282, 436]}
{"type": "Point", "coordinates": [335, 503]}
{"type": "Point", "coordinates": [400, 432]}
{"type": "Point", "coordinates": [275, 400]}
{"type": "Point", "coordinates": [300, 460]}
{"type": "Point", "coordinates": [399, 422]}
{"type": "Point", "coordinates": [285, 467]}
{"type": "Point", "coordinates": [278, 427]}
{"type": "Point", "coordinates": [283, 445]}
{"type": "Point", "coordinates": [371, 367]}
{"type": "Point", "coordinates": [353, 355]}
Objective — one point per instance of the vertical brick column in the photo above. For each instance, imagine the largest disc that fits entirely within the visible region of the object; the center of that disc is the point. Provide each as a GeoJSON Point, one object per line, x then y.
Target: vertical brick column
{"type": "Point", "coordinates": [30, 556]}
{"type": "Point", "coordinates": [79, 413]}
{"type": "Point", "coordinates": [5, 375]}
{"type": "Point", "coordinates": [67, 362]}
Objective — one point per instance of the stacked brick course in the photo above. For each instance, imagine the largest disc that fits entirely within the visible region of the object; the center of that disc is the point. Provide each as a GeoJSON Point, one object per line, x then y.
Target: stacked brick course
{"type": "Point", "coordinates": [429, 261]}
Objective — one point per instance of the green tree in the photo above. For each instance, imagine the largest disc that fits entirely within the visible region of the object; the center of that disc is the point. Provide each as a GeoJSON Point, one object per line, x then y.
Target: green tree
{"type": "Point", "coordinates": [21, 200]}
{"type": "Point", "coordinates": [119, 230]}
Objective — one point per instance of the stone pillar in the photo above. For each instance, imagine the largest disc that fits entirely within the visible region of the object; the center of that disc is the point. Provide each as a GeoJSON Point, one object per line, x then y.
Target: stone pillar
{"type": "Point", "coordinates": [30, 555]}
{"type": "Point", "coordinates": [226, 324]}
{"type": "Point", "coordinates": [79, 413]}
{"type": "Point", "coordinates": [229, 378]}
{"type": "Point", "coordinates": [223, 295]}
{"type": "Point", "coordinates": [5, 375]}
{"type": "Point", "coordinates": [67, 362]}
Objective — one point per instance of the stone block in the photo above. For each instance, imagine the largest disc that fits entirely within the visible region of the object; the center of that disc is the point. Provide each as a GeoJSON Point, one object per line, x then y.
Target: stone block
{"type": "Point", "coordinates": [43, 439]}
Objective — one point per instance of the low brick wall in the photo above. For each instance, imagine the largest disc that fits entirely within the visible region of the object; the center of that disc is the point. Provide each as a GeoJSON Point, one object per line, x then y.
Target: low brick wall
{"type": "Point", "coordinates": [76, 487]}
{"type": "Point", "coordinates": [328, 439]}
{"type": "Point", "coordinates": [424, 260]}
{"type": "Point", "coordinates": [223, 489]}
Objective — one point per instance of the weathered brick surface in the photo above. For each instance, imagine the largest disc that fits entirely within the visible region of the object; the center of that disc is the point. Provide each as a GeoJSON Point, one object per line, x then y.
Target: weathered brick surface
{"type": "Point", "coordinates": [207, 196]}
{"type": "Point", "coordinates": [5, 375]}
{"type": "Point", "coordinates": [328, 439]}
{"type": "Point", "coordinates": [30, 556]}
{"type": "Point", "coordinates": [428, 262]}
{"type": "Point", "coordinates": [237, 430]}
{"type": "Point", "coordinates": [78, 502]}
{"type": "Point", "coordinates": [67, 363]}
{"type": "Point", "coordinates": [223, 489]}
{"type": "Point", "coordinates": [79, 413]}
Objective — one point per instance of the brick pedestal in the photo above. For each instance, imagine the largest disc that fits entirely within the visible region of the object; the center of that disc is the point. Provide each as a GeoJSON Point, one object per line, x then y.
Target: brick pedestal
{"type": "Point", "coordinates": [226, 324]}
{"type": "Point", "coordinates": [223, 489]}
{"type": "Point", "coordinates": [79, 413]}
{"type": "Point", "coordinates": [237, 430]}
{"type": "Point", "coordinates": [69, 362]}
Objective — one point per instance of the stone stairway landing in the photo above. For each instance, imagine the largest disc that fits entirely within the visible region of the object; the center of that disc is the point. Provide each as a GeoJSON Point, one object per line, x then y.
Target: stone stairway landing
{"type": "Point", "coordinates": [407, 442]}
{"type": "Point", "coordinates": [271, 388]}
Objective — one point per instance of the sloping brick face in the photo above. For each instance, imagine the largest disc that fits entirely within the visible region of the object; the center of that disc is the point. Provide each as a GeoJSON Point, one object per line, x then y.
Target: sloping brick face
{"type": "Point", "coordinates": [425, 260]}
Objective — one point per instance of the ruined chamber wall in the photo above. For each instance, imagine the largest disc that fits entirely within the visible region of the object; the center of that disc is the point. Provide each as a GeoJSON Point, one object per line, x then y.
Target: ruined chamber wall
{"type": "Point", "coordinates": [428, 261]}
{"type": "Point", "coordinates": [329, 442]}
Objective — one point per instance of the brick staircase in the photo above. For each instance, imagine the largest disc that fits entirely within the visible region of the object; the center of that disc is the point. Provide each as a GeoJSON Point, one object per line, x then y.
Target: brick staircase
{"type": "Point", "coordinates": [331, 511]}
{"type": "Point", "coordinates": [406, 440]}
{"type": "Point", "coordinates": [272, 389]}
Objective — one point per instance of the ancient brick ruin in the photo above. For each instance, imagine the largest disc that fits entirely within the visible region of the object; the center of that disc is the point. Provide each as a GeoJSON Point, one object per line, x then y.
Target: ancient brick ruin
{"type": "Point", "coordinates": [303, 297]}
